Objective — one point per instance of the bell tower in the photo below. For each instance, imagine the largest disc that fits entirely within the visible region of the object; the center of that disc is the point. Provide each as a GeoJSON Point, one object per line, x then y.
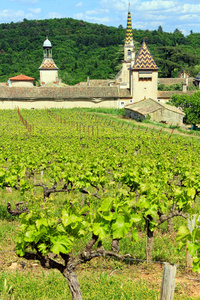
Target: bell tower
{"type": "Point", "coordinates": [48, 68]}
{"type": "Point", "coordinates": [123, 78]}
{"type": "Point", "coordinates": [129, 48]}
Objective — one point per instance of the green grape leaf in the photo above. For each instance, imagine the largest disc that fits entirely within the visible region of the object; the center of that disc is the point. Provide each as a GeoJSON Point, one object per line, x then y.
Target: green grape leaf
{"type": "Point", "coordinates": [100, 229]}
{"type": "Point", "coordinates": [120, 227]}
{"type": "Point", "coordinates": [61, 244]}
{"type": "Point", "coordinates": [183, 233]}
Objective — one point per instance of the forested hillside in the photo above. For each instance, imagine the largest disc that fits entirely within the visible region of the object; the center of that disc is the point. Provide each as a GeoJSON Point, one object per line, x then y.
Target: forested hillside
{"type": "Point", "coordinates": [82, 49]}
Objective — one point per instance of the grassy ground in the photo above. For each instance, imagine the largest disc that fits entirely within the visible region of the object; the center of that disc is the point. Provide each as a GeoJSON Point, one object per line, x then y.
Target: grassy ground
{"type": "Point", "coordinates": [120, 115]}
{"type": "Point", "coordinates": [100, 278]}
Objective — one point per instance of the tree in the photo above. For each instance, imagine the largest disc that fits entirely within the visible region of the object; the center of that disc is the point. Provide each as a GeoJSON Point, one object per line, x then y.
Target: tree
{"type": "Point", "coordinates": [160, 30]}
{"type": "Point", "coordinates": [174, 59]}
{"type": "Point", "coordinates": [190, 106]}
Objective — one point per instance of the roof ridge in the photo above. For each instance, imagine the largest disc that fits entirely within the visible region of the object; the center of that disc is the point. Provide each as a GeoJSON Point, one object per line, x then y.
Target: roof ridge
{"type": "Point", "coordinates": [21, 77]}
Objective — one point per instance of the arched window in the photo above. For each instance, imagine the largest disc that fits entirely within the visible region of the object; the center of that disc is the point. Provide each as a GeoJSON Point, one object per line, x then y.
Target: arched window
{"type": "Point", "coordinates": [129, 53]}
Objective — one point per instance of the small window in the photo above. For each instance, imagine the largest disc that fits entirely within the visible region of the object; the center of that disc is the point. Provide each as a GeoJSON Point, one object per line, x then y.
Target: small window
{"type": "Point", "coordinates": [145, 79]}
{"type": "Point", "coordinates": [122, 103]}
{"type": "Point", "coordinates": [131, 101]}
{"type": "Point", "coordinates": [129, 53]}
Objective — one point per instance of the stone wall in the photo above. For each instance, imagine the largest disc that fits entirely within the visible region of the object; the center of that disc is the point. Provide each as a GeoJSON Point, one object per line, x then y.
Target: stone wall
{"type": "Point", "coordinates": [58, 92]}
{"type": "Point", "coordinates": [67, 97]}
{"type": "Point", "coordinates": [166, 95]}
{"type": "Point", "coordinates": [168, 116]}
{"type": "Point", "coordinates": [170, 81]}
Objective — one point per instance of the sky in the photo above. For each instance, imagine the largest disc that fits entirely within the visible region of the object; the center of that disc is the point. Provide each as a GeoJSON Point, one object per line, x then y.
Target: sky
{"type": "Point", "coordinates": [145, 14]}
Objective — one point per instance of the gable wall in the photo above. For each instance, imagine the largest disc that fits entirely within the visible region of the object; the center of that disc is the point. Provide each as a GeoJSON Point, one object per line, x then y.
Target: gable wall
{"type": "Point", "coordinates": [144, 89]}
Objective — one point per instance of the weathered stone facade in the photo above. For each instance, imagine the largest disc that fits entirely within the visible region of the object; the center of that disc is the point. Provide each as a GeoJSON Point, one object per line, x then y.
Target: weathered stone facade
{"type": "Point", "coordinates": [158, 112]}
{"type": "Point", "coordinates": [68, 97]}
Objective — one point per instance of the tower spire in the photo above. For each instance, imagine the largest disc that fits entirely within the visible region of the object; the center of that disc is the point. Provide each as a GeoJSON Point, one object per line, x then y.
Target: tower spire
{"type": "Point", "coordinates": [129, 34]}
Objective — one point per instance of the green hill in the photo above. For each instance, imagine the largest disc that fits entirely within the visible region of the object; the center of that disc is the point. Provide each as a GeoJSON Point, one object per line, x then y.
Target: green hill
{"type": "Point", "coordinates": [82, 49]}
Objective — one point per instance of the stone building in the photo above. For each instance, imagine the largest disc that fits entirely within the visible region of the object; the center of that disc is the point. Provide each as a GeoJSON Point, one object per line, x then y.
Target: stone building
{"type": "Point", "coordinates": [144, 75]}
{"type": "Point", "coordinates": [139, 73]}
{"type": "Point", "coordinates": [158, 112]}
{"type": "Point", "coordinates": [21, 81]}
{"type": "Point", "coordinates": [48, 68]}
{"type": "Point", "coordinates": [124, 75]}
{"type": "Point", "coordinates": [137, 80]}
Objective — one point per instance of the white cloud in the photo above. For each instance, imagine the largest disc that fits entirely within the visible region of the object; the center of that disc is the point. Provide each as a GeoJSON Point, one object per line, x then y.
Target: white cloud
{"type": "Point", "coordinates": [150, 17]}
{"type": "Point", "coordinates": [155, 5]}
{"type": "Point", "coordinates": [35, 10]}
{"type": "Point", "coordinates": [79, 4]}
{"type": "Point", "coordinates": [147, 25]}
{"type": "Point", "coordinates": [97, 11]}
{"type": "Point", "coordinates": [103, 20]}
{"type": "Point", "coordinates": [12, 14]}
{"type": "Point", "coordinates": [152, 13]}
{"type": "Point", "coordinates": [191, 8]}
{"type": "Point", "coordinates": [25, 1]}
{"type": "Point", "coordinates": [189, 17]}
{"type": "Point", "coordinates": [115, 5]}
{"type": "Point", "coordinates": [97, 15]}
{"type": "Point", "coordinates": [53, 15]}
{"type": "Point", "coordinates": [79, 16]}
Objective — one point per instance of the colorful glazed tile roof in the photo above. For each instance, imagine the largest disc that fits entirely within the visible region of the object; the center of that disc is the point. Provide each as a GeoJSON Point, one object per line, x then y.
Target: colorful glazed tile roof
{"type": "Point", "coordinates": [129, 34]}
{"type": "Point", "coordinates": [22, 77]}
{"type": "Point", "coordinates": [144, 60]}
{"type": "Point", "coordinates": [48, 64]}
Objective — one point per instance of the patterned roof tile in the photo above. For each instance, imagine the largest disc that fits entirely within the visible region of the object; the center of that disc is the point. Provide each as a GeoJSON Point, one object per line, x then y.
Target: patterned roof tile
{"type": "Point", "coordinates": [129, 33]}
{"type": "Point", "coordinates": [49, 64]}
{"type": "Point", "coordinates": [144, 60]}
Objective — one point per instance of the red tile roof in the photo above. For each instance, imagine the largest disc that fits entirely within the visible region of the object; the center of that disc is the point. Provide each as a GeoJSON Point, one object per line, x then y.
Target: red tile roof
{"type": "Point", "coordinates": [22, 77]}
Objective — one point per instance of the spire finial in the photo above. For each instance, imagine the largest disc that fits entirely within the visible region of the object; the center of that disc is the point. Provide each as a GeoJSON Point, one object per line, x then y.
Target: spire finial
{"type": "Point", "coordinates": [129, 34]}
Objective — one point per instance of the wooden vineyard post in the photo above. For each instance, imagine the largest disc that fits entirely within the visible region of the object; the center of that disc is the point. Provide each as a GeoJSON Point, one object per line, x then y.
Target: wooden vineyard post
{"type": "Point", "coordinates": [171, 134]}
{"type": "Point", "coordinates": [160, 132]}
{"type": "Point", "coordinates": [168, 282]}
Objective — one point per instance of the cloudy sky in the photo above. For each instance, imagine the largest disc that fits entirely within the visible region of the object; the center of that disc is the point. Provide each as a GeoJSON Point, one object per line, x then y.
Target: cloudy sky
{"type": "Point", "coordinates": [146, 14]}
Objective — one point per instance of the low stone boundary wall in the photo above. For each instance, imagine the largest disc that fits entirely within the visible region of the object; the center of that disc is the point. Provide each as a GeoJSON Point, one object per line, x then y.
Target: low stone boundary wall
{"type": "Point", "coordinates": [170, 81]}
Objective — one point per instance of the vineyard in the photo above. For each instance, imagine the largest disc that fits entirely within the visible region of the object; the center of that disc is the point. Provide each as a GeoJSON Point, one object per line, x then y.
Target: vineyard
{"type": "Point", "coordinates": [92, 187]}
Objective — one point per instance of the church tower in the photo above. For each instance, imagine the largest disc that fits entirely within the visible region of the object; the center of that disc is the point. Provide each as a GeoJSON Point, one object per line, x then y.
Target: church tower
{"type": "Point", "coordinates": [124, 76]}
{"type": "Point", "coordinates": [144, 75]}
{"type": "Point", "coordinates": [129, 49]}
{"type": "Point", "coordinates": [48, 68]}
